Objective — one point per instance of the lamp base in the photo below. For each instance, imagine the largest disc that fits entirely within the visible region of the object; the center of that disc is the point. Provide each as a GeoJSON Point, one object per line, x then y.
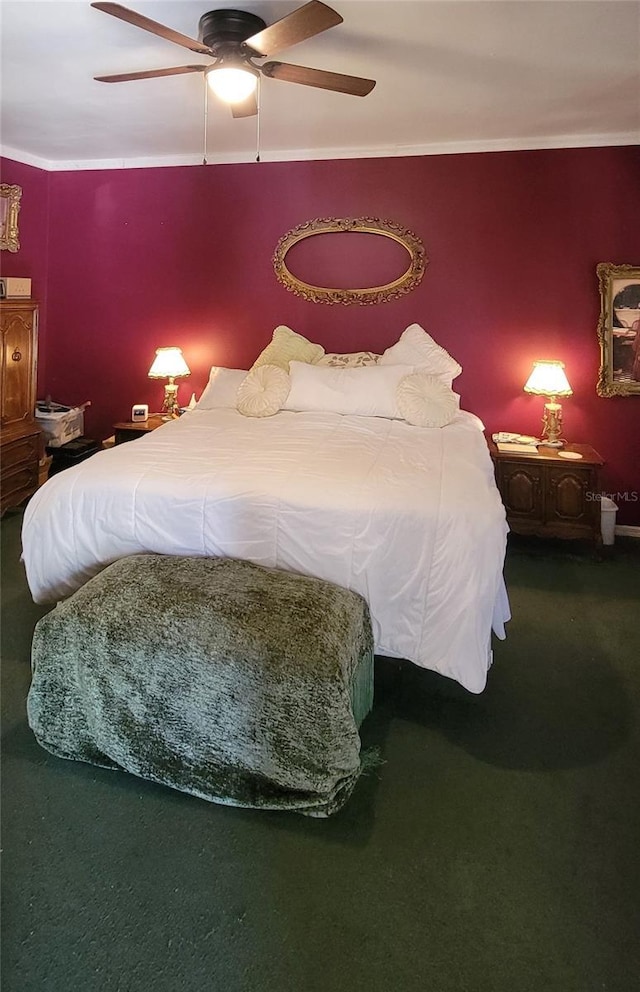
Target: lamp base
{"type": "Point", "coordinates": [170, 406]}
{"type": "Point", "coordinates": [552, 425]}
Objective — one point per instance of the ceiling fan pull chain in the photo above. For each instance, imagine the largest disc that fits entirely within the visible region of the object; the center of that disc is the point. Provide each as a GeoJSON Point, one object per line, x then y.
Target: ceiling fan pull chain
{"type": "Point", "coordinates": [206, 117]}
{"type": "Point", "coordinates": [258, 116]}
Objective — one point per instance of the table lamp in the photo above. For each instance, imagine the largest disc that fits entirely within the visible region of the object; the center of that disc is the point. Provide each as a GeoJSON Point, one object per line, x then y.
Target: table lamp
{"type": "Point", "coordinates": [169, 364]}
{"type": "Point", "coordinates": [548, 379]}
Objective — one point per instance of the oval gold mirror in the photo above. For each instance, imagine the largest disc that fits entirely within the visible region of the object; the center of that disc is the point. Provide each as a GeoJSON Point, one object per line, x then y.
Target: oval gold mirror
{"type": "Point", "coordinates": [389, 290]}
{"type": "Point", "coordinates": [9, 207]}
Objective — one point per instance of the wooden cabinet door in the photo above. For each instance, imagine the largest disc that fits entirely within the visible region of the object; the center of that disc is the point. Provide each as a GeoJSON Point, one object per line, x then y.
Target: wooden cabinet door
{"type": "Point", "coordinates": [567, 504]}
{"type": "Point", "coordinates": [521, 488]}
{"type": "Point", "coordinates": [18, 378]}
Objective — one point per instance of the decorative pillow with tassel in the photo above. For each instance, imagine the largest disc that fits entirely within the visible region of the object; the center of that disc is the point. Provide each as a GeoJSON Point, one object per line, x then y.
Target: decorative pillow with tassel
{"type": "Point", "coordinates": [425, 401]}
{"type": "Point", "coordinates": [263, 392]}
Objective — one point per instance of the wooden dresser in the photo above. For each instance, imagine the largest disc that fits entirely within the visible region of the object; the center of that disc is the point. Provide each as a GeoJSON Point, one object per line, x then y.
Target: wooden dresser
{"type": "Point", "coordinates": [550, 496]}
{"type": "Point", "coordinates": [19, 432]}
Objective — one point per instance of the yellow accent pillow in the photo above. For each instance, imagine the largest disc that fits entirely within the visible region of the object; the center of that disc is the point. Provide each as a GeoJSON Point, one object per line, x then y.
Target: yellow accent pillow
{"type": "Point", "coordinates": [287, 346]}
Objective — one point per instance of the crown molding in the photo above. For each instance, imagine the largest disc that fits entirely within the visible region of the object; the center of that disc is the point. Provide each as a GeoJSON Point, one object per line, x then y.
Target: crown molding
{"type": "Point", "coordinates": [25, 158]}
{"type": "Point", "coordinates": [324, 154]}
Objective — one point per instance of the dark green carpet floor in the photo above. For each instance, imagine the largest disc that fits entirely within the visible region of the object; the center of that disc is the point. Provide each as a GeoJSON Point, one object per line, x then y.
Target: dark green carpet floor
{"type": "Point", "coordinates": [497, 849]}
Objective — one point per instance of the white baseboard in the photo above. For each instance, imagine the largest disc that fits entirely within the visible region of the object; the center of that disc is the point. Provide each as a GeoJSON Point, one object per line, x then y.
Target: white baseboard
{"type": "Point", "coordinates": [623, 531]}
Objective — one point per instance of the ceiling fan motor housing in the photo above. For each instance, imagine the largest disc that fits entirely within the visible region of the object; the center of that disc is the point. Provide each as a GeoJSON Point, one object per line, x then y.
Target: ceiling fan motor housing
{"type": "Point", "coordinates": [221, 30]}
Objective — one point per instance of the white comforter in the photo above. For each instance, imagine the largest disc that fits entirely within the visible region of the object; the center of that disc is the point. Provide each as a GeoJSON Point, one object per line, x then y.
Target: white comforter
{"type": "Point", "coordinates": [409, 517]}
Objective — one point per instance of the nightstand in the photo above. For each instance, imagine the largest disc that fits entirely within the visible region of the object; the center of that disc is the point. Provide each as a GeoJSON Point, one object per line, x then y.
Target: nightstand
{"type": "Point", "coordinates": [129, 430]}
{"type": "Point", "coordinates": [547, 495]}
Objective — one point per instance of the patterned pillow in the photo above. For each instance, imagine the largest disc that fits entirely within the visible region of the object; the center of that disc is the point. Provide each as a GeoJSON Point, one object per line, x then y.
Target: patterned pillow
{"type": "Point", "coordinates": [425, 401]}
{"type": "Point", "coordinates": [287, 346]}
{"type": "Point", "coordinates": [263, 392]}
{"type": "Point", "coordinates": [352, 360]}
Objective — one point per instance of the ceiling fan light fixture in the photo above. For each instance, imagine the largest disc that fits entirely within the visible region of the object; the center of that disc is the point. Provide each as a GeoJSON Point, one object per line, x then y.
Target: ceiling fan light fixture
{"type": "Point", "coordinates": [234, 39]}
{"type": "Point", "coordinates": [232, 84]}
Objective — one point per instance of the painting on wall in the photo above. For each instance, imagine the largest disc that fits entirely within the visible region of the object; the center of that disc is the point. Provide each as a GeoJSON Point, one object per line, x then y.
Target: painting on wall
{"type": "Point", "coordinates": [619, 330]}
{"type": "Point", "coordinates": [9, 207]}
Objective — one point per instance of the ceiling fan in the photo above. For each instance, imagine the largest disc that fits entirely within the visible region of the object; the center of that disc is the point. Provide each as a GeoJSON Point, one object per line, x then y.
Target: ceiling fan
{"type": "Point", "coordinates": [237, 41]}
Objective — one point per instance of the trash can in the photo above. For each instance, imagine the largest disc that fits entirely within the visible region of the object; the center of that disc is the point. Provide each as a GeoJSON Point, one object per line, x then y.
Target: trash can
{"type": "Point", "coordinates": [608, 511]}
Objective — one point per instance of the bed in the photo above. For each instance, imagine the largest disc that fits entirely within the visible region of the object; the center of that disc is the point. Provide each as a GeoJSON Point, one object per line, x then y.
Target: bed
{"type": "Point", "coordinates": [409, 517]}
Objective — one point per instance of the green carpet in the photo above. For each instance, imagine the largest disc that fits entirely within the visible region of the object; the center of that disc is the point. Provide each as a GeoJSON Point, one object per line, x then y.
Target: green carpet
{"type": "Point", "coordinates": [497, 849]}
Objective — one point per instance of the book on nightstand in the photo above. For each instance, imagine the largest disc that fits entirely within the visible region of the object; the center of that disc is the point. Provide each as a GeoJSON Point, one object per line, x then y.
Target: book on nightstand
{"type": "Point", "coordinates": [515, 448]}
{"type": "Point", "coordinates": [517, 444]}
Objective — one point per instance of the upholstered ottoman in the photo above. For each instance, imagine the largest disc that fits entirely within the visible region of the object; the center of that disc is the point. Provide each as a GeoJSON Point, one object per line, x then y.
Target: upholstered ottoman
{"type": "Point", "coordinates": [236, 683]}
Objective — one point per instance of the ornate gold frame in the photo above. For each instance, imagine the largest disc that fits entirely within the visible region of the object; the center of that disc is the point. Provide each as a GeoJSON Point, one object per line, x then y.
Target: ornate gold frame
{"type": "Point", "coordinates": [336, 225]}
{"type": "Point", "coordinates": [607, 385]}
{"type": "Point", "coordinates": [9, 216]}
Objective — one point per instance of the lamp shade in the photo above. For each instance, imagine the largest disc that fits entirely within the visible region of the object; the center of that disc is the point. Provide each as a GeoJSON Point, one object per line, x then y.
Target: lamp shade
{"type": "Point", "coordinates": [548, 379]}
{"type": "Point", "coordinates": [168, 364]}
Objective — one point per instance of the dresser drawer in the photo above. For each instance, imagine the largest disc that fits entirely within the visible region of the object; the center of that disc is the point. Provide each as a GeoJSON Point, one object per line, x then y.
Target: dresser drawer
{"type": "Point", "coordinates": [22, 452]}
{"type": "Point", "coordinates": [19, 470]}
{"type": "Point", "coordinates": [18, 486]}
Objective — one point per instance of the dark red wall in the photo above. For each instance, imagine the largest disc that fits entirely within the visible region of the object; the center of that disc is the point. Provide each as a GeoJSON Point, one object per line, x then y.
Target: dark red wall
{"type": "Point", "coordinates": [31, 260]}
{"type": "Point", "coordinates": [143, 258]}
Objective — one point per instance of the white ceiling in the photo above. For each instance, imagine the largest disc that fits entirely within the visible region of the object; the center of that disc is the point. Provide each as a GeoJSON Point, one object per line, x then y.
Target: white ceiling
{"type": "Point", "coordinates": [460, 75]}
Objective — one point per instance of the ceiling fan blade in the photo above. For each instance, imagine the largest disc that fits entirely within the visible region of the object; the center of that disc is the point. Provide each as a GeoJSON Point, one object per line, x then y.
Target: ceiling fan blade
{"type": "Point", "coordinates": [140, 21]}
{"type": "Point", "coordinates": [248, 107]}
{"type": "Point", "coordinates": [297, 26]}
{"type": "Point", "coordinates": [123, 77]}
{"type": "Point", "coordinates": [336, 81]}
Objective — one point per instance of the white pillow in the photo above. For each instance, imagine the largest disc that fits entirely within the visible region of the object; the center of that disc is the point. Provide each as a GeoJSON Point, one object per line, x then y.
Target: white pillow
{"type": "Point", "coordinates": [263, 391]}
{"type": "Point", "coordinates": [361, 392]}
{"type": "Point", "coordinates": [220, 391]}
{"type": "Point", "coordinates": [425, 401]}
{"type": "Point", "coordinates": [350, 360]}
{"type": "Point", "coordinates": [418, 348]}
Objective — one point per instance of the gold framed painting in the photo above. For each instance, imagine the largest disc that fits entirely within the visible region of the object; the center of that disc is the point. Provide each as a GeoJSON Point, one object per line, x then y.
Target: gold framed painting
{"type": "Point", "coordinates": [9, 209]}
{"type": "Point", "coordinates": [619, 330]}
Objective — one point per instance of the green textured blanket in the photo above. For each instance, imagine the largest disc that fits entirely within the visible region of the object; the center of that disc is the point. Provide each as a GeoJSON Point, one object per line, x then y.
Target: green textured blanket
{"type": "Point", "coordinates": [232, 682]}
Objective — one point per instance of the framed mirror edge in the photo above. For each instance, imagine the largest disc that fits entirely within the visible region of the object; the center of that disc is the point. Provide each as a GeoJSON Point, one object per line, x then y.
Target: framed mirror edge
{"type": "Point", "coordinates": [363, 225]}
{"type": "Point", "coordinates": [9, 238]}
{"type": "Point", "coordinates": [606, 385]}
